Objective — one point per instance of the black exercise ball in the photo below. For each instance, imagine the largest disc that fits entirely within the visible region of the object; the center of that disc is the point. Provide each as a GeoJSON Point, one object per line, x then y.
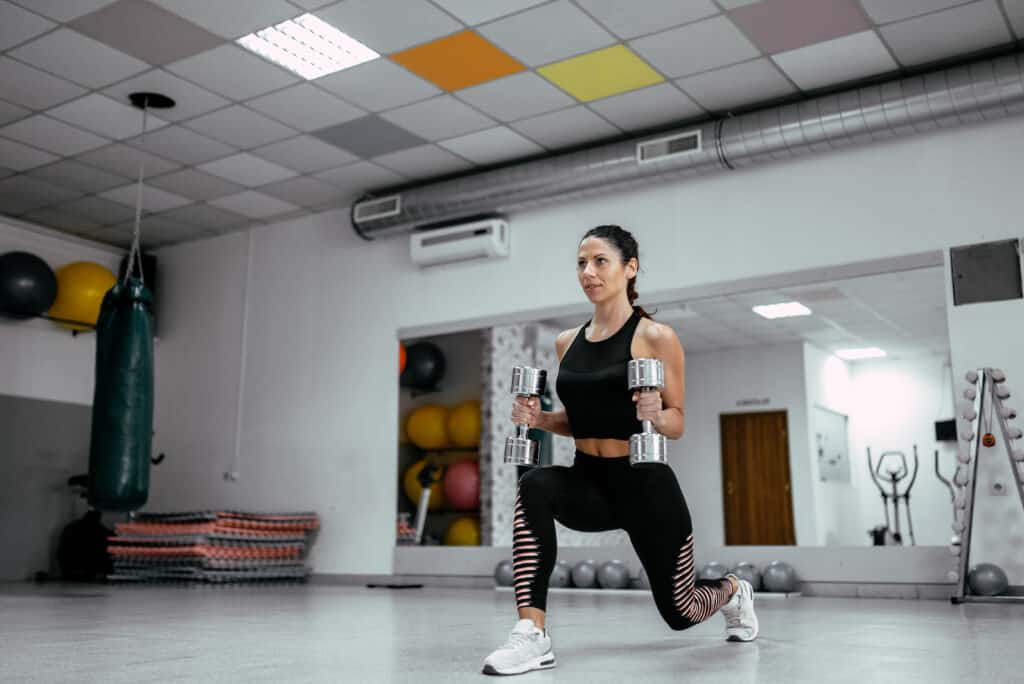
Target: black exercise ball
{"type": "Point", "coordinates": [28, 286]}
{"type": "Point", "coordinates": [82, 549]}
{"type": "Point", "coordinates": [424, 366]}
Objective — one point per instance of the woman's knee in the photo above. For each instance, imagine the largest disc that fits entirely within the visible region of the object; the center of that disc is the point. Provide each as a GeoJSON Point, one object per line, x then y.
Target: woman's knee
{"type": "Point", "coordinates": [537, 486]}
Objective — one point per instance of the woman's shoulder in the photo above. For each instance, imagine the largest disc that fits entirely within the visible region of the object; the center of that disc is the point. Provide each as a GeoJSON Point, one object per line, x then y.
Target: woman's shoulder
{"type": "Point", "coordinates": [656, 335]}
{"type": "Point", "coordinates": [565, 338]}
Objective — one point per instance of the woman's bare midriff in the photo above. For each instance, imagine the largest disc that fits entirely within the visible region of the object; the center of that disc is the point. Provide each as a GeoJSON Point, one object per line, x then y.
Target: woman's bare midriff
{"type": "Point", "coordinates": [605, 448]}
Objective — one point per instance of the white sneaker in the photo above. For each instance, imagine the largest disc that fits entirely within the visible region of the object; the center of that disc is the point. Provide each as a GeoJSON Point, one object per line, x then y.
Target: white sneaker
{"type": "Point", "coordinates": [740, 621]}
{"type": "Point", "coordinates": [527, 648]}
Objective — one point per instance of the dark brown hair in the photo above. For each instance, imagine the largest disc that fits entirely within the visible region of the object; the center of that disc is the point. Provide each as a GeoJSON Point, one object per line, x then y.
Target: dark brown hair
{"type": "Point", "coordinates": [623, 241]}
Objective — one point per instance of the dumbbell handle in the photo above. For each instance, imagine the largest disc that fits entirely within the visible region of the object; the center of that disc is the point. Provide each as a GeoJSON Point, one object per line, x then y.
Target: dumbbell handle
{"type": "Point", "coordinates": [648, 425]}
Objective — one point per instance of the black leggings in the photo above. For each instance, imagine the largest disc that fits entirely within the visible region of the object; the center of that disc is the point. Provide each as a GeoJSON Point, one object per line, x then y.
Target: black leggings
{"type": "Point", "coordinates": [598, 494]}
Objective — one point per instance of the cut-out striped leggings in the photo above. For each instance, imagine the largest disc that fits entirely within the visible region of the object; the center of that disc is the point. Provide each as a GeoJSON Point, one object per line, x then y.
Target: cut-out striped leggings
{"type": "Point", "coordinates": [598, 494]}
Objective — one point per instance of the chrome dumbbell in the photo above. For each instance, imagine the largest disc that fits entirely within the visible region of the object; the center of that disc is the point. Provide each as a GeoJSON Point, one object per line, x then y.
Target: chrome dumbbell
{"type": "Point", "coordinates": [526, 382]}
{"type": "Point", "coordinates": [648, 448]}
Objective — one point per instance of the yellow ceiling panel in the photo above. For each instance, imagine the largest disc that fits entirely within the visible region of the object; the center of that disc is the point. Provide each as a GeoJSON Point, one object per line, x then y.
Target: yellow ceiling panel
{"type": "Point", "coordinates": [601, 73]}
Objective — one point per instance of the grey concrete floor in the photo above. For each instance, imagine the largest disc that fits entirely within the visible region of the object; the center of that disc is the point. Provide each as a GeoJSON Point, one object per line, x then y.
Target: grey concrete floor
{"type": "Point", "coordinates": [321, 633]}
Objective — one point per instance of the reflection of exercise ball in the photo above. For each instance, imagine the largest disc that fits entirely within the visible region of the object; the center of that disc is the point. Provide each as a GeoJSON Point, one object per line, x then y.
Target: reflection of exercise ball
{"type": "Point", "coordinates": [80, 289]}
{"type": "Point", "coordinates": [987, 579]}
{"type": "Point", "coordinates": [424, 366]}
{"type": "Point", "coordinates": [464, 531]}
{"type": "Point", "coordinates": [713, 571]}
{"type": "Point", "coordinates": [412, 488]}
{"type": "Point", "coordinates": [401, 358]}
{"type": "Point", "coordinates": [613, 574]}
{"type": "Point", "coordinates": [427, 426]}
{"type": "Point", "coordinates": [462, 485]}
{"type": "Point", "coordinates": [561, 574]}
{"type": "Point", "coordinates": [503, 573]}
{"type": "Point", "coordinates": [779, 577]}
{"type": "Point", "coordinates": [464, 424]}
{"type": "Point", "coordinates": [27, 285]}
{"type": "Point", "coordinates": [584, 574]}
{"type": "Point", "coordinates": [748, 571]}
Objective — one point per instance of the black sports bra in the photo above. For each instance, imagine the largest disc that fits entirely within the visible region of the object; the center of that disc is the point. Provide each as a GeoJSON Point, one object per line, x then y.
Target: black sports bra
{"type": "Point", "coordinates": [592, 385]}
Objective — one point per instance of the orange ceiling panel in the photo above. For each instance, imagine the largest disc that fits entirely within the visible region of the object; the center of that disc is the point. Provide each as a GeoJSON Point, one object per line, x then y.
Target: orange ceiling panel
{"type": "Point", "coordinates": [458, 61]}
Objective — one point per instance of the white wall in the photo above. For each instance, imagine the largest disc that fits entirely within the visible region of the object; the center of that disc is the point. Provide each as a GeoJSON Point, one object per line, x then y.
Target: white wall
{"type": "Point", "coordinates": [39, 359]}
{"type": "Point", "coordinates": [318, 421]}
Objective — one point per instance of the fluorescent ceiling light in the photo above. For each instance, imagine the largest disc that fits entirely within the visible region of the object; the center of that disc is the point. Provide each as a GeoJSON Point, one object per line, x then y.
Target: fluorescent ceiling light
{"type": "Point", "coordinates": [858, 354]}
{"type": "Point", "coordinates": [308, 46]}
{"type": "Point", "coordinates": [782, 310]}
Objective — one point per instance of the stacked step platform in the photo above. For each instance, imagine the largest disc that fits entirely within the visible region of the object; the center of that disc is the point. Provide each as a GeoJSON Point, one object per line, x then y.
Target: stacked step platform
{"type": "Point", "coordinates": [212, 546]}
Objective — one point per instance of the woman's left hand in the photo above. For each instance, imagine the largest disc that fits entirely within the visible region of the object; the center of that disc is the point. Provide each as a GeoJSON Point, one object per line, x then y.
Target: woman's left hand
{"type": "Point", "coordinates": [648, 405]}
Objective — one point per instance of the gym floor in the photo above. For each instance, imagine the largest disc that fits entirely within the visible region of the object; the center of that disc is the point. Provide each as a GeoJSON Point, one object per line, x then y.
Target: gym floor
{"type": "Point", "coordinates": [322, 633]}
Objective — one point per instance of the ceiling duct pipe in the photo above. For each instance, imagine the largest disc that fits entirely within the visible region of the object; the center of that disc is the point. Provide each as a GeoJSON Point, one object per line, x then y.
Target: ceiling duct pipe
{"type": "Point", "coordinates": [983, 90]}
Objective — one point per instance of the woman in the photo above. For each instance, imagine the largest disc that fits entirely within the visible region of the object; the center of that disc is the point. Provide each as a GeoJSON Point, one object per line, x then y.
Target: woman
{"type": "Point", "coordinates": [601, 491]}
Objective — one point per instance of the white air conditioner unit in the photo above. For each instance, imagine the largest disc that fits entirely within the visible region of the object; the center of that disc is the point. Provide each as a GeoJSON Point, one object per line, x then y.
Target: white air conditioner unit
{"type": "Point", "coordinates": [486, 239]}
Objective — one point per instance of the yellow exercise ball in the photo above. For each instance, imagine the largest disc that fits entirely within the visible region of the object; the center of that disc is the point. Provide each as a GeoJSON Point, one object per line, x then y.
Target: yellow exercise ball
{"type": "Point", "coordinates": [464, 531]}
{"type": "Point", "coordinates": [464, 424]}
{"type": "Point", "coordinates": [427, 426]}
{"type": "Point", "coordinates": [412, 488]}
{"type": "Point", "coordinates": [80, 289]}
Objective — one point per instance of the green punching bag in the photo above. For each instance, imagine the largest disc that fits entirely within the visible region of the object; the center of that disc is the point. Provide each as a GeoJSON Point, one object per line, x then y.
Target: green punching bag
{"type": "Point", "coordinates": [122, 408]}
{"type": "Point", "coordinates": [542, 437]}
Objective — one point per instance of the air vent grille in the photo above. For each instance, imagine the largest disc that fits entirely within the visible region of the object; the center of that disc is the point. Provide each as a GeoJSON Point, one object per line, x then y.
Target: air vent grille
{"type": "Point", "coordinates": [379, 208]}
{"type": "Point", "coordinates": [672, 146]}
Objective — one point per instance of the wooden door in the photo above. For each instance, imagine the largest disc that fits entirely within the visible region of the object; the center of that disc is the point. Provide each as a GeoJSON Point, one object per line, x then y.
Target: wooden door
{"type": "Point", "coordinates": [755, 479]}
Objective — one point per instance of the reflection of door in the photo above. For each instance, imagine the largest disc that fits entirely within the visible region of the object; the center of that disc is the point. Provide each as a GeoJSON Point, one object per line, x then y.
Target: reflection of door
{"type": "Point", "coordinates": [755, 479]}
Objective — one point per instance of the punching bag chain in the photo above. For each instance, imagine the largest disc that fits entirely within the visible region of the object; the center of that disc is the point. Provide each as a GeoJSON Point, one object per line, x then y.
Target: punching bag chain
{"type": "Point", "coordinates": [135, 256]}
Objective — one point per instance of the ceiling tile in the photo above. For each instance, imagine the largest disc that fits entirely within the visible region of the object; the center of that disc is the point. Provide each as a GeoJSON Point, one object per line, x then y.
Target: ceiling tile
{"type": "Point", "coordinates": [304, 191]}
{"type": "Point", "coordinates": [635, 18]}
{"type": "Point", "coordinates": [232, 72]}
{"type": "Point", "coordinates": [240, 127]}
{"type": "Point", "coordinates": [181, 145]}
{"type": "Point", "coordinates": [566, 128]}
{"type": "Point", "coordinates": [647, 108]}
{"type": "Point", "coordinates": [63, 10]}
{"type": "Point", "coordinates": [458, 61]}
{"type": "Point", "coordinates": [516, 97]}
{"type": "Point", "coordinates": [696, 47]}
{"type": "Point", "coordinates": [601, 73]}
{"type": "Point", "coordinates": [35, 192]}
{"type": "Point", "coordinates": [248, 170]}
{"type": "Point", "coordinates": [119, 236]}
{"type": "Point", "coordinates": [493, 145]}
{"type": "Point", "coordinates": [146, 32]}
{"type": "Point", "coordinates": [194, 184]}
{"type": "Point", "coordinates": [189, 99]}
{"type": "Point", "coordinates": [437, 118]}
{"type": "Point", "coordinates": [886, 11]}
{"type": "Point", "coordinates": [950, 32]}
{"type": "Point", "coordinates": [78, 58]}
{"type": "Point", "coordinates": [205, 216]}
{"type": "Point", "coordinates": [783, 25]}
{"type": "Point", "coordinates": [61, 221]}
{"type": "Point", "coordinates": [548, 33]}
{"type": "Point", "coordinates": [75, 175]}
{"type": "Point", "coordinates": [228, 19]}
{"type": "Point", "coordinates": [13, 206]}
{"type": "Point", "coordinates": [1015, 12]}
{"type": "Point", "coordinates": [14, 155]}
{"type": "Point", "coordinates": [18, 25]}
{"type": "Point", "coordinates": [305, 107]}
{"type": "Point", "coordinates": [124, 161]}
{"type": "Point", "coordinates": [32, 88]}
{"type": "Point", "coordinates": [836, 61]}
{"type": "Point", "coordinates": [369, 136]}
{"type": "Point", "coordinates": [305, 154]}
{"type": "Point", "coordinates": [254, 204]}
{"type": "Point", "coordinates": [355, 179]}
{"type": "Point", "coordinates": [378, 85]}
{"type": "Point", "coordinates": [10, 112]}
{"type": "Point", "coordinates": [110, 118]}
{"type": "Point", "coordinates": [476, 12]}
{"type": "Point", "coordinates": [52, 135]}
{"type": "Point", "coordinates": [425, 161]}
{"type": "Point", "coordinates": [97, 210]}
{"type": "Point", "coordinates": [311, 4]}
{"type": "Point", "coordinates": [154, 231]}
{"type": "Point", "coordinates": [153, 199]}
{"type": "Point", "coordinates": [736, 86]}
{"type": "Point", "coordinates": [389, 25]}
{"type": "Point", "coordinates": [733, 4]}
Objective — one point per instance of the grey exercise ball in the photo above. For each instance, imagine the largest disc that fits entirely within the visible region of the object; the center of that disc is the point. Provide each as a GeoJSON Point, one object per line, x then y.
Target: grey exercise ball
{"type": "Point", "coordinates": [641, 580]}
{"type": "Point", "coordinates": [713, 571]}
{"type": "Point", "coordinates": [987, 579]}
{"type": "Point", "coordinates": [749, 572]}
{"type": "Point", "coordinates": [613, 575]}
{"type": "Point", "coordinates": [561, 574]}
{"type": "Point", "coordinates": [779, 577]}
{"type": "Point", "coordinates": [503, 573]}
{"type": "Point", "coordinates": [584, 574]}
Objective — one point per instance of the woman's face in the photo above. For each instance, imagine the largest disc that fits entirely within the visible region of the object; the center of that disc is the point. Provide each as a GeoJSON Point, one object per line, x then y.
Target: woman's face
{"type": "Point", "coordinates": [601, 271]}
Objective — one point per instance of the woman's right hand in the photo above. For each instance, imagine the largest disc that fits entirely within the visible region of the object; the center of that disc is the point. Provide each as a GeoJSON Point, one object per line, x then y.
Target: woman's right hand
{"type": "Point", "coordinates": [526, 411]}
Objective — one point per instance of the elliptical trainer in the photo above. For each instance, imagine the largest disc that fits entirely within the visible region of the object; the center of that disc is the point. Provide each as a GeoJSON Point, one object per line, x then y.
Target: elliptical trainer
{"type": "Point", "coordinates": [896, 471]}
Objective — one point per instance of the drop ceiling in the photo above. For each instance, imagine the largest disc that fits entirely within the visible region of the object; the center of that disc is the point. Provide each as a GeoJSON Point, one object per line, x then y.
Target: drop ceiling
{"type": "Point", "coordinates": [460, 84]}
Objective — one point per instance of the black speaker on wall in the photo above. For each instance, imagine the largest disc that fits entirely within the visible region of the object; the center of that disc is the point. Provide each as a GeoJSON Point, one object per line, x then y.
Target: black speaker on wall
{"type": "Point", "coordinates": [986, 272]}
{"type": "Point", "coordinates": [148, 273]}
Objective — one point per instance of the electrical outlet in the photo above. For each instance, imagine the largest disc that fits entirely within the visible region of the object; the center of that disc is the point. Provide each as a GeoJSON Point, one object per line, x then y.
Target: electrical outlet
{"type": "Point", "coordinates": [997, 488]}
{"type": "Point", "coordinates": [231, 476]}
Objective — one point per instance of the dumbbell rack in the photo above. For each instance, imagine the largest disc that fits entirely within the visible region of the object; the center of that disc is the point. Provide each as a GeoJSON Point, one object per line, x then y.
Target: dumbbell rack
{"type": "Point", "coordinates": [985, 392]}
